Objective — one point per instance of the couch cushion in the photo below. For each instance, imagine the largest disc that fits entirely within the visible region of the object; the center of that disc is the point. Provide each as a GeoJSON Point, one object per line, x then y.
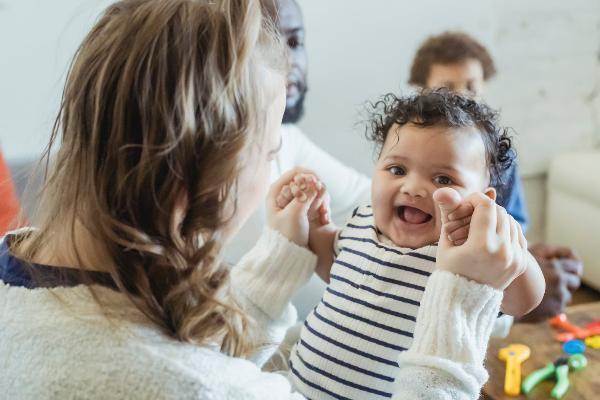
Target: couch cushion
{"type": "Point", "coordinates": [577, 174]}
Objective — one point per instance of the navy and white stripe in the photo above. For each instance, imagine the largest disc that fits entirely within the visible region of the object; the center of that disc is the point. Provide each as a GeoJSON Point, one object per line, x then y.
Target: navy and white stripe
{"type": "Point", "coordinates": [352, 339]}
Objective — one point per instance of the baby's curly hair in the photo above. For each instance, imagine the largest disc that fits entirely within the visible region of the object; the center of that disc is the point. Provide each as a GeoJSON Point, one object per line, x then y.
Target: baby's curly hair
{"type": "Point", "coordinates": [443, 107]}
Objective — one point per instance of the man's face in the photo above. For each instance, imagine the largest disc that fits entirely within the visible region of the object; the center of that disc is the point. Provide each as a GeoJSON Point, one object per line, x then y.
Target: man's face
{"type": "Point", "coordinates": [464, 78]}
{"type": "Point", "coordinates": [291, 26]}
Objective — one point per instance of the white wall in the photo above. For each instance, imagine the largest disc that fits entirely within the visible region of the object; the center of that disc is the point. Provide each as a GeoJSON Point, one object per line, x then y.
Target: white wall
{"type": "Point", "coordinates": [37, 41]}
{"type": "Point", "coordinates": [547, 52]}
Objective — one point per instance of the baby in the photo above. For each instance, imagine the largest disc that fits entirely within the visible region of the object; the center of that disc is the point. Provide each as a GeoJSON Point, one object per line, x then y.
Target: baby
{"type": "Point", "coordinates": [384, 255]}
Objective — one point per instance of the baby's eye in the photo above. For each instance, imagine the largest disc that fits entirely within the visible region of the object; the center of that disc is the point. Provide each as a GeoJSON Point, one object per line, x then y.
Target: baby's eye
{"type": "Point", "coordinates": [443, 180]}
{"type": "Point", "coordinates": [395, 170]}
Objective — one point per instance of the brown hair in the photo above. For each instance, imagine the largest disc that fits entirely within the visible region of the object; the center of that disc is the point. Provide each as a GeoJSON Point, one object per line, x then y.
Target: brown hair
{"type": "Point", "coordinates": [440, 106]}
{"type": "Point", "coordinates": [449, 48]}
{"type": "Point", "coordinates": [161, 103]}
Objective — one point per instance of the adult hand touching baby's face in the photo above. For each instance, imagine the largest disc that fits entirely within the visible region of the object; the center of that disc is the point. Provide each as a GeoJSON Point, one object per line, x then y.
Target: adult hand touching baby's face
{"type": "Point", "coordinates": [495, 251]}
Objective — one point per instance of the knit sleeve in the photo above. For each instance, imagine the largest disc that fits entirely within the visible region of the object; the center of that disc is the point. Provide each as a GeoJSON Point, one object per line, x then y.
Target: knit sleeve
{"type": "Point", "coordinates": [264, 282]}
{"type": "Point", "coordinates": [450, 340]}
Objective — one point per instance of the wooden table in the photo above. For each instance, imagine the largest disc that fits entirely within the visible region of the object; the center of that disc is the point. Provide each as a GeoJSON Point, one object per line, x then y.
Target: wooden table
{"type": "Point", "coordinates": [544, 349]}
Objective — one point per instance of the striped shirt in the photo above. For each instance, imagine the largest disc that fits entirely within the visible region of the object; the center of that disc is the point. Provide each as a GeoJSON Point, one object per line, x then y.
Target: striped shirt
{"type": "Point", "coordinates": [367, 316]}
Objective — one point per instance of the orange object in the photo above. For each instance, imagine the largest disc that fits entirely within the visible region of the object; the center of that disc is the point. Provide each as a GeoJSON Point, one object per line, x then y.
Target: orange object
{"type": "Point", "coordinates": [9, 203]}
{"type": "Point", "coordinates": [573, 332]}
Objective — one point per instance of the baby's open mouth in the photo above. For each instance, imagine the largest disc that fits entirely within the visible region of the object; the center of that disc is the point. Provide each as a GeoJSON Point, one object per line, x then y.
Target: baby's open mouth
{"type": "Point", "coordinates": [412, 215]}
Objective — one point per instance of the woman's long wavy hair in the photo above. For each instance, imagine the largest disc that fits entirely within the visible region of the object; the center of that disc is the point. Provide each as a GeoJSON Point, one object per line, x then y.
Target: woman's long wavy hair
{"type": "Point", "coordinates": [162, 100]}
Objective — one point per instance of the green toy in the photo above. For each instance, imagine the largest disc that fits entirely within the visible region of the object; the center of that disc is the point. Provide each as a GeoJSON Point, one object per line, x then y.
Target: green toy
{"type": "Point", "coordinates": [559, 369]}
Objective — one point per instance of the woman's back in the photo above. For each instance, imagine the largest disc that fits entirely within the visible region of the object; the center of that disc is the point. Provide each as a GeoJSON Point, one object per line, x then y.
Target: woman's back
{"type": "Point", "coordinates": [57, 344]}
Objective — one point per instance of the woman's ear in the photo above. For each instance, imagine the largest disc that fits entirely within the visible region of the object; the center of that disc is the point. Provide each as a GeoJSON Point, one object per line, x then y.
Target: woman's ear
{"type": "Point", "coordinates": [490, 192]}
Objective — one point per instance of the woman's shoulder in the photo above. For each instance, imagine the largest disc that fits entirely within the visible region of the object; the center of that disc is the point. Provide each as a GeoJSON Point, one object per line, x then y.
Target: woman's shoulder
{"type": "Point", "coordinates": [60, 339]}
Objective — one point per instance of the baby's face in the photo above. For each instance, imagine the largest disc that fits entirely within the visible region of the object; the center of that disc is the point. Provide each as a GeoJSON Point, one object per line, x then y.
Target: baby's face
{"type": "Point", "coordinates": [414, 163]}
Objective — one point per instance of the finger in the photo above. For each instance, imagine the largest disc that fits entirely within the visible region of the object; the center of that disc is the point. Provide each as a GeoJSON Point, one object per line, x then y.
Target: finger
{"type": "Point", "coordinates": [504, 226]}
{"type": "Point", "coordinates": [574, 267]}
{"type": "Point", "coordinates": [285, 179]}
{"type": "Point", "coordinates": [298, 207]}
{"type": "Point", "coordinates": [454, 225]}
{"type": "Point", "coordinates": [447, 200]}
{"type": "Point", "coordinates": [527, 256]}
{"type": "Point", "coordinates": [459, 242]}
{"type": "Point", "coordinates": [285, 197]}
{"type": "Point", "coordinates": [572, 281]}
{"type": "Point", "coordinates": [301, 181]}
{"type": "Point", "coordinates": [318, 202]}
{"type": "Point", "coordinates": [565, 252]}
{"type": "Point", "coordinates": [459, 234]}
{"type": "Point", "coordinates": [287, 192]}
{"type": "Point", "coordinates": [522, 239]}
{"type": "Point", "coordinates": [519, 252]}
{"type": "Point", "coordinates": [325, 216]}
{"type": "Point", "coordinates": [549, 251]}
{"type": "Point", "coordinates": [483, 221]}
{"type": "Point", "coordinates": [463, 211]}
{"type": "Point", "coordinates": [296, 192]}
{"type": "Point", "coordinates": [305, 181]}
{"type": "Point", "coordinates": [325, 209]}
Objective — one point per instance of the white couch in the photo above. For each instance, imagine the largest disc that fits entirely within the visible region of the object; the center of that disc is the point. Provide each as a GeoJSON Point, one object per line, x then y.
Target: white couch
{"type": "Point", "coordinates": [573, 209]}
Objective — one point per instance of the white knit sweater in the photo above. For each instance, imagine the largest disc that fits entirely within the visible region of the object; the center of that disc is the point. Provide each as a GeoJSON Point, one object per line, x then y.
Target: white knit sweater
{"type": "Point", "coordinates": [58, 344]}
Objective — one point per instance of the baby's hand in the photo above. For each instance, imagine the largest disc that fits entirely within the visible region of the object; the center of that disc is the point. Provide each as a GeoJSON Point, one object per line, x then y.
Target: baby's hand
{"type": "Point", "coordinates": [289, 206]}
{"type": "Point", "coordinates": [460, 220]}
{"type": "Point", "coordinates": [321, 232]}
{"type": "Point", "coordinates": [303, 187]}
{"type": "Point", "coordinates": [495, 253]}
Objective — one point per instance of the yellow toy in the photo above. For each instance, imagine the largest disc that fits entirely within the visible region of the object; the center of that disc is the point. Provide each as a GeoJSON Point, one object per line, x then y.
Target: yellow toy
{"type": "Point", "coordinates": [514, 355]}
{"type": "Point", "coordinates": [593, 342]}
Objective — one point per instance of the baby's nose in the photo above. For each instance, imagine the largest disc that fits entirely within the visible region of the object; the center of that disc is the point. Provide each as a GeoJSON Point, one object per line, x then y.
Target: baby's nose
{"type": "Point", "coordinates": [414, 186]}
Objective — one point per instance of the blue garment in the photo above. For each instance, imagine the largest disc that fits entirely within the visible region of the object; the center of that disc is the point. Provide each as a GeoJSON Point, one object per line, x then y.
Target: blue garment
{"type": "Point", "coordinates": [12, 270]}
{"type": "Point", "coordinates": [511, 197]}
{"type": "Point", "coordinates": [16, 272]}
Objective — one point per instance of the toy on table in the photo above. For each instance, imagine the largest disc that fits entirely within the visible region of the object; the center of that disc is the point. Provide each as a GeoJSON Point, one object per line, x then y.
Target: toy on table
{"type": "Point", "coordinates": [514, 355]}
{"type": "Point", "coordinates": [593, 342]}
{"type": "Point", "coordinates": [574, 347]}
{"type": "Point", "coordinates": [573, 332]}
{"type": "Point", "coordinates": [558, 369]}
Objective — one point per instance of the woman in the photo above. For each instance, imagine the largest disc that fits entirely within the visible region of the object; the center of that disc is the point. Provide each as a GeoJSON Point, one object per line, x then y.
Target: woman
{"type": "Point", "coordinates": [169, 119]}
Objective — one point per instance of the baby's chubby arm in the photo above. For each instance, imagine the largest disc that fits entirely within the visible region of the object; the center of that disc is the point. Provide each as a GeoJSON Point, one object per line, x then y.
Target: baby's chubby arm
{"type": "Point", "coordinates": [322, 231]}
{"type": "Point", "coordinates": [527, 290]}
